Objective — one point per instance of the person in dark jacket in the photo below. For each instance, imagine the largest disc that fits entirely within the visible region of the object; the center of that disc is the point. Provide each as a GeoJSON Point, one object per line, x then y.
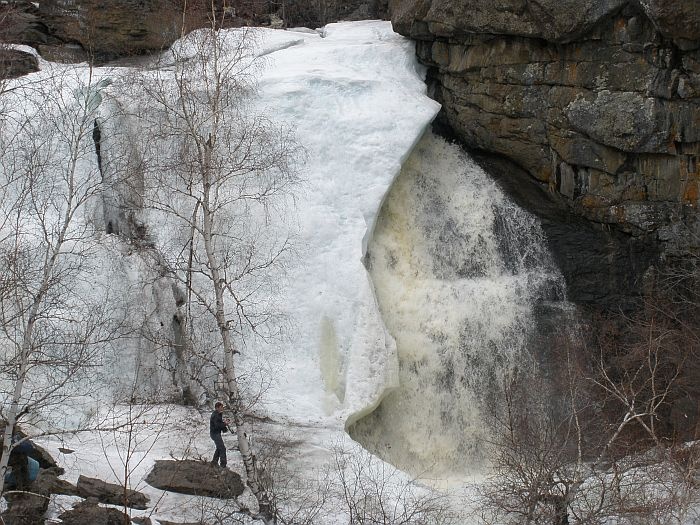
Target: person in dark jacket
{"type": "Point", "coordinates": [217, 425]}
{"type": "Point", "coordinates": [21, 449]}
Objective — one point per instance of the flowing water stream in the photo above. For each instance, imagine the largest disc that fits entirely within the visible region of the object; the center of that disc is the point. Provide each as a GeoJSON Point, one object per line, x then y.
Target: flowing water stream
{"type": "Point", "coordinates": [459, 271]}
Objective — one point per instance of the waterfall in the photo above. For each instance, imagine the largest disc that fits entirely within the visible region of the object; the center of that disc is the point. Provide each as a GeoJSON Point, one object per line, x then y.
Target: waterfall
{"type": "Point", "coordinates": [458, 271]}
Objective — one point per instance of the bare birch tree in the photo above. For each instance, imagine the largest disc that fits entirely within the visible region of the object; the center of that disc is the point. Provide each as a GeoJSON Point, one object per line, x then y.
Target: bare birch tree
{"type": "Point", "coordinates": [220, 169]}
{"type": "Point", "coordinates": [51, 324]}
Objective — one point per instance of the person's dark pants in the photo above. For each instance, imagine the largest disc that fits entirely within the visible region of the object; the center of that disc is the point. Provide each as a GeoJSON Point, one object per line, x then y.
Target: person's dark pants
{"type": "Point", "coordinates": [20, 471]}
{"type": "Point", "coordinates": [220, 454]}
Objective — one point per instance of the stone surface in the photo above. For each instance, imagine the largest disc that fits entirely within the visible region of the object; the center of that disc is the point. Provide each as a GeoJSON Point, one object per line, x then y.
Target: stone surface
{"type": "Point", "coordinates": [111, 493]}
{"type": "Point", "coordinates": [15, 63]}
{"type": "Point", "coordinates": [676, 19]}
{"type": "Point", "coordinates": [597, 102]}
{"type": "Point", "coordinates": [90, 513]}
{"type": "Point", "coordinates": [47, 482]}
{"type": "Point", "coordinates": [115, 28]}
{"type": "Point", "coordinates": [196, 478]}
{"type": "Point", "coordinates": [554, 20]}
{"type": "Point", "coordinates": [119, 28]}
{"type": "Point", "coordinates": [25, 509]}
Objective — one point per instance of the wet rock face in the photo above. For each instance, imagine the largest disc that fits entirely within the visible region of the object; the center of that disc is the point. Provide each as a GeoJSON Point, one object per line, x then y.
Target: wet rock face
{"type": "Point", "coordinates": [115, 28]}
{"type": "Point", "coordinates": [118, 28]}
{"type": "Point", "coordinates": [598, 101]}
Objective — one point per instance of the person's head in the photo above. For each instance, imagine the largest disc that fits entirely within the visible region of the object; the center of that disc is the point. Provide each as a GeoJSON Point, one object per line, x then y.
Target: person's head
{"type": "Point", "coordinates": [219, 406]}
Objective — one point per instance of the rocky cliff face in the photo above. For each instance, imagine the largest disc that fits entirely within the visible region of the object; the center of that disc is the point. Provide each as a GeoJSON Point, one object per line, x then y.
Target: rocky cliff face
{"type": "Point", "coordinates": [79, 30]}
{"type": "Point", "coordinates": [596, 101]}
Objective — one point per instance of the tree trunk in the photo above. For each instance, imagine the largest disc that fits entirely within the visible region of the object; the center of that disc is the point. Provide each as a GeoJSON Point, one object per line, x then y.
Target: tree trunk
{"type": "Point", "coordinates": [264, 505]}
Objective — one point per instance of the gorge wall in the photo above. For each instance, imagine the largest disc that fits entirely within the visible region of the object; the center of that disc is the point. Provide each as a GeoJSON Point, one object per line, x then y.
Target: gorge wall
{"type": "Point", "coordinates": [588, 111]}
{"type": "Point", "coordinates": [96, 31]}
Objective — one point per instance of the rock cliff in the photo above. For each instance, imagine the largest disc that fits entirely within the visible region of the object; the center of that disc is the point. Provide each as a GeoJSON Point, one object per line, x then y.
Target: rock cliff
{"type": "Point", "coordinates": [588, 110]}
{"type": "Point", "coordinates": [79, 30]}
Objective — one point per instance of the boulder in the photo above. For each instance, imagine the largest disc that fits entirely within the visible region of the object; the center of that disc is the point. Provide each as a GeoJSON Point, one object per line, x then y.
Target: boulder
{"type": "Point", "coordinates": [195, 477]}
{"type": "Point", "coordinates": [90, 513]}
{"type": "Point", "coordinates": [25, 509]}
{"type": "Point", "coordinates": [48, 482]}
{"type": "Point", "coordinates": [111, 493]}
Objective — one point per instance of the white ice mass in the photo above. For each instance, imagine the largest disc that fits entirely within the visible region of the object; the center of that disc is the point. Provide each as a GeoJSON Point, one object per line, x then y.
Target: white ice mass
{"type": "Point", "coordinates": [358, 100]}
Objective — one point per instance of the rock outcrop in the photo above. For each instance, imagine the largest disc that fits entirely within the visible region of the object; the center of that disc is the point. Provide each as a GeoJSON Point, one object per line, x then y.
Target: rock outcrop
{"type": "Point", "coordinates": [90, 513]}
{"type": "Point", "coordinates": [109, 30]}
{"type": "Point", "coordinates": [196, 478]}
{"type": "Point", "coordinates": [15, 63]}
{"type": "Point", "coordinates": [595, 101]}
{"type": "Point", "coordinates": [115, 28]}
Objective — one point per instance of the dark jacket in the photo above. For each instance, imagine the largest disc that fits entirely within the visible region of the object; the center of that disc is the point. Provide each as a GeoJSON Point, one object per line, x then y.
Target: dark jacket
{"type": "Point", "coordinates": [21, 449]}
{"type": "Point", "coordinates": [216, 423]}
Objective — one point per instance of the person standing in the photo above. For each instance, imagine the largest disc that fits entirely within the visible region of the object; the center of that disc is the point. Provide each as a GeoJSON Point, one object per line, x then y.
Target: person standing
{"type": "Point", "coordinates": [217, 425]}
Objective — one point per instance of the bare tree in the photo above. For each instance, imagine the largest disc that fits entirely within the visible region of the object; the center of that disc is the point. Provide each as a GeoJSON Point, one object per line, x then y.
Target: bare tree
{"type": "Point", "coordinates": [372, 492]}
{"type": "Point", "coordinates": [220, 170]}
{"type": "Point", "coordinates": [51, 328]}
{"type": "Point", "coordinates": [600, 445]}
{"type": "Point", "coordinates": [138, 420]}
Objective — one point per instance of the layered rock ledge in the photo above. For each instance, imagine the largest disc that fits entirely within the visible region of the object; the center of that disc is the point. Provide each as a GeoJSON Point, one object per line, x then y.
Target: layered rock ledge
{"type": "Point", "coordinates": [596, 101]}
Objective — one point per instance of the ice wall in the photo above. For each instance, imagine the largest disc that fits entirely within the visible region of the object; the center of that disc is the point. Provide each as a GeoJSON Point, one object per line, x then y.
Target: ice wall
{"type": "Point", "coordinates": [457, 270]}
{"type": "Point", "coordinates": [358, 102]}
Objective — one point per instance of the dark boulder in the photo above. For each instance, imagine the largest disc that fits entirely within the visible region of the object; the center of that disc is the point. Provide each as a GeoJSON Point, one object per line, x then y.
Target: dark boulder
{"type": "Point", "coordinates": [111, 493]}
{"type": "Point", "coordinates": [90, 513]}
{"type": "Point", "coordinates": [25, 508]}
{"type": "Point", "coordinates": [196, 478]}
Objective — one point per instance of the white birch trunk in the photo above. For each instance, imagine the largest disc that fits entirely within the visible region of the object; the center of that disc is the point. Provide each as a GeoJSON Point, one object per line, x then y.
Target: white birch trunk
{"type": "Point", "coordinates": [264, 505]}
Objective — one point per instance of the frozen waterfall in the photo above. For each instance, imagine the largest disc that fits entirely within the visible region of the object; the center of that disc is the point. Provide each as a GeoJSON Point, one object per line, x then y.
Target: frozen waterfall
{"type": "Point", "coordinates": [458, 269]}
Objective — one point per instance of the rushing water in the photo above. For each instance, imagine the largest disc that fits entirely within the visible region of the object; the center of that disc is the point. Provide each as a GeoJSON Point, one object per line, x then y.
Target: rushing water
{"type": "Point", "coordinates": [458, 270]}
